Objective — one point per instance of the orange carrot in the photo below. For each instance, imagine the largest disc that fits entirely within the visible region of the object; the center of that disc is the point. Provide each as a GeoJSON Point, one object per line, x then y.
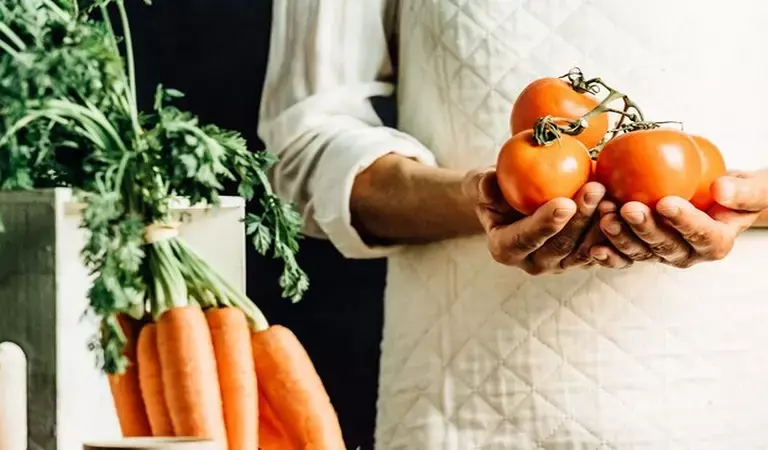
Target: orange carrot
{"type": "Point", "coordinates": [151, 382]}
{"type": "Point", "coordinates": [272, 435]}
{"type": "Point", "coordinates": [294, 392]}
{"type": "Point", "coordinates": [190, 379]}
{"type": "Point", "coordinates": [125, 387]}
{"type": "Point", "coordinates": [234, 359]}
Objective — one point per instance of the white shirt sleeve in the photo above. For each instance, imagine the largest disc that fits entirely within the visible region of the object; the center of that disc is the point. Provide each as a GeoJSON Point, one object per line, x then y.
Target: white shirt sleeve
{"type": "Point", "coordinates": [327, 59]}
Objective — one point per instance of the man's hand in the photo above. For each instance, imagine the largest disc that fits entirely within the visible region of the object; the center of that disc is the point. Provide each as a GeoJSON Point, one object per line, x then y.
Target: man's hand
{"type": "Point", "coordinates": [556, 237]}
{"type": "Point", "coordinates": [679, 234]}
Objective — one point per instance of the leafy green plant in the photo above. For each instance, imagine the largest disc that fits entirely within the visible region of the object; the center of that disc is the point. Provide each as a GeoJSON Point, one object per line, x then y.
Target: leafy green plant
{"type": "Point", "coordinates": [69, 117]}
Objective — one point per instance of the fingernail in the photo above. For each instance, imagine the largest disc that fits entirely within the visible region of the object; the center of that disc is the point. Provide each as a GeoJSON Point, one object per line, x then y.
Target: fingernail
{"type": "Point", "coordinates": [613, 229]}
{"type": "Point", "coordinates": [635, 218]}
{"type": "Point", "coordinates": [593, 198]}
{"type": "Point", "coordinates": [601, 255]}
{"type": "Point", "coordinates": [562, 213]}
{"type": "Point", "coordinates": [670, 211]}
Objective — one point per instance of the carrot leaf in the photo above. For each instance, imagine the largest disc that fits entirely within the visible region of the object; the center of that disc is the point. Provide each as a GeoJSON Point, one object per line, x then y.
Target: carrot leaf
{"type": "Point", "coordinates": [69, 117]}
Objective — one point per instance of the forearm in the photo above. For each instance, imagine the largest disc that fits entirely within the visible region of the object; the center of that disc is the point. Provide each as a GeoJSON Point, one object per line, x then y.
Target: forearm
{"type": "Point", "coordinates": [399, 200]}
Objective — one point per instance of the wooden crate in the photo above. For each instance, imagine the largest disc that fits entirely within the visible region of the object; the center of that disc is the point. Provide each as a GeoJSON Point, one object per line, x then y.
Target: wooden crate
{"type": "Point", "coordinates": [43, 287]}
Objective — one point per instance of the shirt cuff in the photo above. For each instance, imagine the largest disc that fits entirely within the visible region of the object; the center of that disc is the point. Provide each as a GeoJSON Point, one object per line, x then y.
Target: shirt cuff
{"type": "Point", "coordinates": [345, 157]}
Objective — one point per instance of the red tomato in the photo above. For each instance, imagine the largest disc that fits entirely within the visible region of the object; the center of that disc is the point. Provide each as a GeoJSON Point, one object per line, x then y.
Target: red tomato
{"type": "Point", "coordinates": [530, 175]}
{"type": "Point", "coordinates": [712, 168]}
{"type": "Point", "coordinates": [648, 165]}
{"type": "Point", "coordinates": [557, 98]}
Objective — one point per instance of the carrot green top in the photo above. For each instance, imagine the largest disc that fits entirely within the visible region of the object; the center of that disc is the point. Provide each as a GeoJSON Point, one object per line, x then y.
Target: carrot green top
{"type": "Point", "coordinates": [71, 119]}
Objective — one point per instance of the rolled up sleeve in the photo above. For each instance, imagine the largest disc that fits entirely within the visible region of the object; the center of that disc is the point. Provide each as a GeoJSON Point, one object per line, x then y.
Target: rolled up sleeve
{"type": "Point", "coordinates": [327, 60]}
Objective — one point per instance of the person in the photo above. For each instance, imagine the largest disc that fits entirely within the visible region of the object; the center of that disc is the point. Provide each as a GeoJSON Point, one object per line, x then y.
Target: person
{"type": "Point", "coordinates": [510, 332]}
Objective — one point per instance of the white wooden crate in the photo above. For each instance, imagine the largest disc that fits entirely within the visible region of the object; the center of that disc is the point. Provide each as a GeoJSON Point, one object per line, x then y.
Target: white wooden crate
{"type": "Point", "coordinates": [43, 286]}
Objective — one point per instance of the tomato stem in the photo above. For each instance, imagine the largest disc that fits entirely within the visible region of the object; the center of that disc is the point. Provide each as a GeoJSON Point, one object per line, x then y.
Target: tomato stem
{"type": "Point", "coordinates": [546, 130]}
{"type": "Point", "coordinates": [580, 84]}
{"type": "Point", "coordinates": [631, 110]}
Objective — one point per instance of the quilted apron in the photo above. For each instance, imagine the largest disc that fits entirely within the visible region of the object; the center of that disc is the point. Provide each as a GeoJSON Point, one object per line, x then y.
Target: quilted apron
{"type": "Point", "coordinates": [480, 356]}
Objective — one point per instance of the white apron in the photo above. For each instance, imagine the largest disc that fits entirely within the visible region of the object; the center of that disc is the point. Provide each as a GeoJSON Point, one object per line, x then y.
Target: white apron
{"type": "Point", "coordinates": [480, 356]}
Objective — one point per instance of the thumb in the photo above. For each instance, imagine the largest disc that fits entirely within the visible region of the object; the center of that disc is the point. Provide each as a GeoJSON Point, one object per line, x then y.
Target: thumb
{"type": "Point", "coordinates": [482, 187]}
{"type": "Point", "coordinates": [748, 193]}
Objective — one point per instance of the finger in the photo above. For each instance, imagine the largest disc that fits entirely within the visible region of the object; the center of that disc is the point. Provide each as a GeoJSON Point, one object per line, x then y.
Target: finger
{"type": "Point", "coordinates": [742, 194]}
{"type": "Point", "coordinates": [490, 218]}
{"type": "Point", "coordinates": [739, 174]}
{"type": "Point", "coordinates": [664, 243]}
{"type": "Point", "coordinates": [564, 243]}
{"type": "Point", "coordinates": [595, 236]}
{"type": "Point", "coordinates": [510, 244]}
{"type": "Point", "coordinates": [482, 187]}
{"type": "Point", "coordinates": [581, 256]}
{"type": "Point", "coordinates": [470, 185]}
{"type": "Point", "coordinates": [606, 207]}
{"type": "Point", "coordinates": [705, 235]}
{"type": "Point", "coordinates": [623, 239]}
{"type": "Point", "coordinates": [605, 256]}
{"type": "Point", "coordinates": [737, 221]}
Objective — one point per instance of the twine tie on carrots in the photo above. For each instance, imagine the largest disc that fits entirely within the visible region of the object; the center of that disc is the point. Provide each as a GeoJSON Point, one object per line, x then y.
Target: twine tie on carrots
{"type": "Point", "coordinates": [160, 232]}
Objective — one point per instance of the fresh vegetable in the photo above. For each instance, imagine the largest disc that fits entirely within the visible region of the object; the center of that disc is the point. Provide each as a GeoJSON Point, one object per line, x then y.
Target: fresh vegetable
{"type": "Point", "coordinates": [293, 390]}
{"type": "Point", "coordinates": [557, 126]}
{"type": "Point", "coordinates": [530, 174]}
{"type": "Point", "coordinates": [648, 165]}
{"type": "Point", "coordinates": [190, 376]}
{"type": "Point", "coordinates": [593, 170]}
{"type": "Point", "coordinates": [151, 384]}
{"type": "Point", "coordinates": [237, 376]}
{"type": "Point", "coordinates": [712, 167]}
{"type": "Point", "coordinates": [637, 160]}
{"type": "Point", "coordinates": [69, 117]}
{"type": "Point", "coordinates": [298, 407]}
{"type": "Point", "coordinates": [125, 387]}
{"type": "Point", "coordinates": [565, 99]}
{"type": "Point", "coordinates": [272, 434]}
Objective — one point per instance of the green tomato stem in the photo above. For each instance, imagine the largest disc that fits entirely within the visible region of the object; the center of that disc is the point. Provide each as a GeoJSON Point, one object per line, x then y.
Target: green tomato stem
{"type": "Point", "coordinates": [547, 130]}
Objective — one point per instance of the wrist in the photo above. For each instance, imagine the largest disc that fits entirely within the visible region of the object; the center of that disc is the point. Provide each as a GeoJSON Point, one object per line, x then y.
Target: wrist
{"type": "Point", "coordinates": [403, 200]}
{"type": "Point", "coordinates": [445, 188]}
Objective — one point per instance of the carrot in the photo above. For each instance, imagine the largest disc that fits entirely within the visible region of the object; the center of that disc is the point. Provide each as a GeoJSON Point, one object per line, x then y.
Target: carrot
{"type": "Point", "coordinates": [190, 379]}
{"type": "Point", "coordinates": [232, 344]}
{"type": "Point", "coordinates": [125, 387]}
{"type": "Point", "coordinates": [151, 382]}
{"type": "Point", "coordinates": [293, 390]}
{"type": "Point", "coordinates": [271, 432]}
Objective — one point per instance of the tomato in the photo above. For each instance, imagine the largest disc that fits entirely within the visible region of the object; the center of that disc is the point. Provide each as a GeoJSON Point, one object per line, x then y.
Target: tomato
{"type": "Point", "coordinates": [648, 165]}
{"type": "Point", "coordinates": [712, 167]}
{"type": "Point", "coordinates": [530, 175]}
{"type": "Point", "coordinates": [557, 98]}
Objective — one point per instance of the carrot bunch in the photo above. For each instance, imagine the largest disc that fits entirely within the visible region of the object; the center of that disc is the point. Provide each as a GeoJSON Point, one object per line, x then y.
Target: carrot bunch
{"type": "Point", "coordinates": [186, 354]}
{"type": "Point", "coordinates": [205, 363]}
